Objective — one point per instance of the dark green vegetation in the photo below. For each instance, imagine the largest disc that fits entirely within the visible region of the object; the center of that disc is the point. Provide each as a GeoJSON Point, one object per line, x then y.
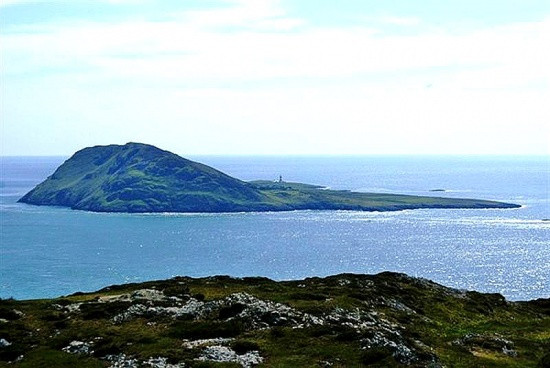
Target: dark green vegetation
{"type": "Point", "coordinates": [142, 178]}
{"type": "Point", "coordinates": [385, 320]}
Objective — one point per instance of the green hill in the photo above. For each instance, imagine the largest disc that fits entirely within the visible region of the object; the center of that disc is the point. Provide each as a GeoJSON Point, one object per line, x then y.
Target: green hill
{"type": "Point", "coordinates": [138, 177]}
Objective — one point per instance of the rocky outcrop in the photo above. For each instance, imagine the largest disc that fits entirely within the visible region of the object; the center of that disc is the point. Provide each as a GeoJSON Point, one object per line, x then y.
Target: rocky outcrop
{"type": "Point", "coordinates": [218, 353]}
{"type": "Point", "coordinates": [123, 361]}
{"type": "Point", "coordinates": [254, 313]}
{"type": "Point", "coordinates": [387, 319]}
{"type": "Point", "coordinates": [479, 341]}
{"type": "Point", "coordinates": [78, 347]}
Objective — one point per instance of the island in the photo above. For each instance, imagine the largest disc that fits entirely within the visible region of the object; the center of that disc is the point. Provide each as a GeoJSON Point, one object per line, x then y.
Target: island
{"type": "Point", "coordinates": [138, 178]}
{"type": "Point", "coordinates": [346, 320]}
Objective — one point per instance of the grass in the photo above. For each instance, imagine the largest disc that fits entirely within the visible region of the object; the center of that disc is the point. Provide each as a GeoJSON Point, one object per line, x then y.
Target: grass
{"type": "Point", "coordinates": [440, 318]}
{"type": "Point", "coordinates": [142, 178]}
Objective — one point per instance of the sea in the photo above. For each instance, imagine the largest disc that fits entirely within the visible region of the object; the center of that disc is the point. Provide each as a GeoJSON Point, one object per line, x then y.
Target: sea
{"type": "Point", "coordinates": [50, 251]}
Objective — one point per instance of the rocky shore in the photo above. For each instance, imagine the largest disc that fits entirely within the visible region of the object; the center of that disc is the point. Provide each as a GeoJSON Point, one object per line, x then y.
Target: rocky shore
{"type": "Point", "coordinates": [385, 320]}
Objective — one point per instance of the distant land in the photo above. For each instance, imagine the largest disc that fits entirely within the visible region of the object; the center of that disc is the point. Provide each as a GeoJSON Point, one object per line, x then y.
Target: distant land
{"type": "Point", "coordinates": [139, 178]}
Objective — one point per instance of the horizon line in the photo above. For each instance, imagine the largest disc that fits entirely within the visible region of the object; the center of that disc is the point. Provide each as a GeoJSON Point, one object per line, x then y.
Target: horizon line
{"type": "Point", "coordinates": [317, 154]}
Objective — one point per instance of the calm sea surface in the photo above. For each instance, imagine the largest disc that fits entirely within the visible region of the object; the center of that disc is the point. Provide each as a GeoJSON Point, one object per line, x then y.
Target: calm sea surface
{"type": "Point", "coordinates": [48, 252]}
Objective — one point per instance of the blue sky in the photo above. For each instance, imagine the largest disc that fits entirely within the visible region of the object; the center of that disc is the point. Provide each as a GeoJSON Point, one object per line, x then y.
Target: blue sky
{"type": "Point", "coordinates": [276, 77]}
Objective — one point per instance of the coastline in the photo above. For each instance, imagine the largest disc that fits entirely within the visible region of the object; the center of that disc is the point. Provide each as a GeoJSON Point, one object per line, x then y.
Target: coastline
{"type": "Point", "coordinates": [498, 206]}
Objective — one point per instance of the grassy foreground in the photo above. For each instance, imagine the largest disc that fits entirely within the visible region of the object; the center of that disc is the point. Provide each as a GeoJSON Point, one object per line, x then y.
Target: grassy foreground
{"type": "Point", "coordinates": [384, 320]}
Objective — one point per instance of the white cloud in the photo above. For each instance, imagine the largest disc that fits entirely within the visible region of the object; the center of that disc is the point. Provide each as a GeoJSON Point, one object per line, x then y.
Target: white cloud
{"type": "Point", "coordinates": [212, 77]}
{"type": "Point", "coordinates": [192, 49]}
{"type": "Point", "coordinates": [400, 21]}
{"type": "Point", "coordinates": [31, 2]}
{"type": "Point", "coordinates": [238, 13]}
{"type": "Point", "coordinates": [20, 2]}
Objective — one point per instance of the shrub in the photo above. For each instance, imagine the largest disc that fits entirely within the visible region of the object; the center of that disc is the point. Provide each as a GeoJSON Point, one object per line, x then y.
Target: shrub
{"type": "Point", "coordinates": [10, 353]}
{"type": "Point", "coordinates": [205, 330]}
{"type": "Point", "coordinates": [176, 290]}
{"type": "Point", "coordinates": [545, 361]}
{"type": "Point", "coordinates": [231, 310]}
{"type": "Point", "coordinates": [52, 316]}
{"type": "Point", "coordinates": [8, 313]}
{"type": "Point", "coordinates": [277, 332]}
{"type": "Point", "coordinates": [360, 296]}
{"type": "Point", "coordinates": [102, 310]}
{"type": "Point", "coordinates": [62, 301]}
{"type": "Point", "coordinates": [244, 346]}
{"type": "Point", "coordinates": [375, 355]}
{"type": "Point", "coordinates": [106, 347]}
{"type": "Point", "coordinates": [200, 297]}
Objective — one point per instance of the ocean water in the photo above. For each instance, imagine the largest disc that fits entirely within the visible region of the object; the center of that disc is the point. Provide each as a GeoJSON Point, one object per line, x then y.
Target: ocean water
{"type": "Point", "coordinates": [47, 251]}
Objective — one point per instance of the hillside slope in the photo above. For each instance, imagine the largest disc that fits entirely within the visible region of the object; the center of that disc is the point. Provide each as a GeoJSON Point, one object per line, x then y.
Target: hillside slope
{"type": "Point", "coordinates": [384, 320]}
{"type": "Point", "coordinates": [142, 178]}
{"type": "Point", "coordinates": [139, 178]}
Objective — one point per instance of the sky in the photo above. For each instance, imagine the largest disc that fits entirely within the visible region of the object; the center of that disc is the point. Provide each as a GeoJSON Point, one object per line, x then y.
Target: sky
{"type": "Point", "coordinates": [276, 77]}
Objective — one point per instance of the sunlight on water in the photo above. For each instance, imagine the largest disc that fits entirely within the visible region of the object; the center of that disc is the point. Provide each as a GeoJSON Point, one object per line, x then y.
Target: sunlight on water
{"type": "Point", "coordinates": [51, 251]}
